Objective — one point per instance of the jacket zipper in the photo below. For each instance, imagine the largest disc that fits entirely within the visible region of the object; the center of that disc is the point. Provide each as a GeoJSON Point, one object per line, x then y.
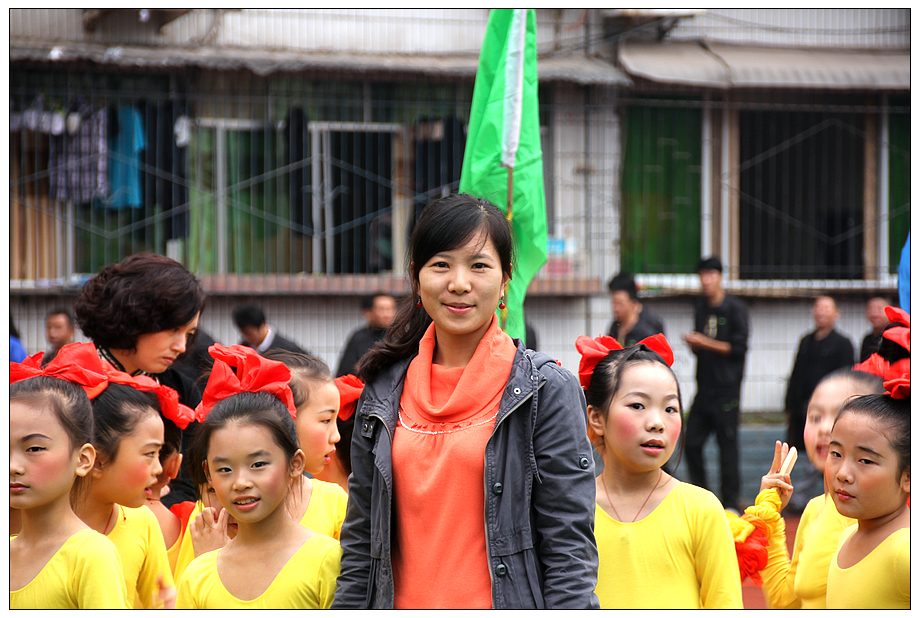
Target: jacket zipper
{"type": "Point", "coordinates": [485, 514]}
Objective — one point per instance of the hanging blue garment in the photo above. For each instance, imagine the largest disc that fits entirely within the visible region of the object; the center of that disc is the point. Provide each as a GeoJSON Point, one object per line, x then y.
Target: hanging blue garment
{"type": "Point", "coordinates": [904, 276]}
{"type": "Point", "coordinates": [125, 160]}
{"type": "Point", "coordinates": [17, 351]}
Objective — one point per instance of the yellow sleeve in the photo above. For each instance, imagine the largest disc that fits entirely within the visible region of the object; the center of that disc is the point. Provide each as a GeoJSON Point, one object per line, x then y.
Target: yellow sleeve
{"type": "Point", "coordinates": [326, 511]}
{"type": "Point", "coordinates": [328, 573]}
{"type": "Point", "coordinates": [779, 574]}
{"type": "Point", "coordinates": [715, 559]}
{"type": "Point", "coordinates": [98, 579]}
{"type": "Point", "coordinates": [186, 551]}
{"type": "Point", "coordinates": [155, 566]}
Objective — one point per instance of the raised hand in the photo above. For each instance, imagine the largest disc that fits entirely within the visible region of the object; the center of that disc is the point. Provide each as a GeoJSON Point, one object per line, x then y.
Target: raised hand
{"type": "Point", "coordinates": [209, 530]}
{"type": "Point", "coordinates": [779, 476]}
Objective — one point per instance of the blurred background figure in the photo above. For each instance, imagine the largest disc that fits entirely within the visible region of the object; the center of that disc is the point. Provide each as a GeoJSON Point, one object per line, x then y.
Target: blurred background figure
{"type": "Point", "coordinates": [378, 310]}
{"type": "Point", "coordinates": [875, 314]}
{"type": "Point", "coordinates": [17, 351]}
{"type": "Point", "coordinates": [631, 322]}
{"type": "Point", "coordinates": [820, 352]}
{"type": "Point", "coordinates": [59, 331]}
{"type": "Point", "coordinates": [257, 332]}
{"type": "Point", "coordinates": [720, 342]}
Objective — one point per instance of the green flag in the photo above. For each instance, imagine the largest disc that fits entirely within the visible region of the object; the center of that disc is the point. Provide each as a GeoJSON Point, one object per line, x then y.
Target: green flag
{"type": "Point", "coordinates": [504, 140]}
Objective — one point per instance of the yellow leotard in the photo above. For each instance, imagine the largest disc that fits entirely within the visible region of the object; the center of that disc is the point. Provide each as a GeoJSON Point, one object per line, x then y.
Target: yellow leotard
{"type": "Point", "coordinates": [84, 573]}
{"type": "Point", "coordinates": [881, 580]}
{"type": "Point", "coordinates": [802, 581]}
{"type": "Point", "coordinates": [325, 514]}
{"type": "Point", "coordinates": [307, 581]}
{"type": "Point", "coordinates": [681, 555]}
{"type": "Point", "coordinates": [142, 550]}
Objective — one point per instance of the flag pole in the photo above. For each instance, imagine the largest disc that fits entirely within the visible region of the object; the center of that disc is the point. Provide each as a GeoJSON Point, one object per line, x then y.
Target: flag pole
{"type": "Point", "coordinates": [508, 215]}
{"type": "Point", "coordinates": [510, 192]}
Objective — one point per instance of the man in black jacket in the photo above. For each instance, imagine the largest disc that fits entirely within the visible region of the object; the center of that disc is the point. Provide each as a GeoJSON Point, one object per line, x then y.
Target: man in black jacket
{"type": "Point", "coordinates": [820, 352]}
{"type": "Point", "coordinates": [720, 344]}
{"type": "Point", "coordinates": [258, 334]}
{"type": "Point", "coordinates": [631, 321]}
{"type": "Point", "coordinates": [379, 310]}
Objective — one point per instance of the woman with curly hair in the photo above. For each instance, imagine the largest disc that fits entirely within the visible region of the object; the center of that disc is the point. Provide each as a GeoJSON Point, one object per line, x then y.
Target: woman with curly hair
{"type": "Point", "coordinates": [142, 313]}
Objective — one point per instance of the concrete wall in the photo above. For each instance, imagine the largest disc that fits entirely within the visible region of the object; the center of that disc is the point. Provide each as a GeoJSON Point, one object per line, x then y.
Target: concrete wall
{"type": "Point", "coordinates": [838, 28]}
{"type": "Point", "coordinates": [393, 31]}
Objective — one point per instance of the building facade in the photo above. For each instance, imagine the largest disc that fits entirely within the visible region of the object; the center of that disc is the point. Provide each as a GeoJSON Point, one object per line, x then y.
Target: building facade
{"type": "Point", "coordinates": [283, 155]}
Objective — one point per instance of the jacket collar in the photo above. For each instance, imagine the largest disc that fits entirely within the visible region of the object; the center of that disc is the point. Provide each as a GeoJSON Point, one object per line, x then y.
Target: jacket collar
{"type": "Point", "coordinates": [381, 396]}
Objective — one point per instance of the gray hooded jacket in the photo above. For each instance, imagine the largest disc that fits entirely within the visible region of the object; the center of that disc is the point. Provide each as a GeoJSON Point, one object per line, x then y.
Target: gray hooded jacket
{"type": "Point", "coordinates": [539, 490]}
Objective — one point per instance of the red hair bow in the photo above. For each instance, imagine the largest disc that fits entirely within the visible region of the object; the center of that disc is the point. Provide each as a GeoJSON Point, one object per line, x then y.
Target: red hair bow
{"type": "Point", "coordinates": [895, 376]}
{"type": "Point", "coordinates": [77, 363]}
{"type": "Point", "coordinates": [595, 350]}
{"type": "Point", "coordinates": [181, 415]}
{"type": "Point", "coordinates": [254, 374]}
{"type": "Point", "coordinates": [350, 389]}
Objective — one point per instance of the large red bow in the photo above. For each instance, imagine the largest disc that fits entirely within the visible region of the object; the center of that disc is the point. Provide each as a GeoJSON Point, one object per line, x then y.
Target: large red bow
{"type": "Point", "coordinates": [181, 415]}
{"type": "Point", "coordinates": [350, 389]}
{"type": "Point", "coordinates": [254, 374]}
{"type": "Point", "coordinates": [78, 363]}
{"type": "Point", "coordinates": [595, 350]}
{"type": "Point", "coordinates": [896, 375]}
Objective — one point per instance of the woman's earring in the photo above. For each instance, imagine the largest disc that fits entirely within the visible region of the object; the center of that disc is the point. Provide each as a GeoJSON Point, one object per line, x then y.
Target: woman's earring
{"type": "Point", "coordinates": [418, 303]}
{"type": "Point", "coordinates": [501, 302]}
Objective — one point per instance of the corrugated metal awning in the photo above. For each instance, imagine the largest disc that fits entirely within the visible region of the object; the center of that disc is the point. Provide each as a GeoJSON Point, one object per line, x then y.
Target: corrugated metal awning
{"type": "Point", "coordinates": [715, 65]}
{"type": "Point", "coordinates": [554, 68]}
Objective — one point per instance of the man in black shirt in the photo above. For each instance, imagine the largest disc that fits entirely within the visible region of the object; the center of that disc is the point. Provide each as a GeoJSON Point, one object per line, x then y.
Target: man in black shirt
{"type": "Point", "coordinates": [820, 352]}
{"type": "Point", "coordinates": [720, 344]}
{"type": "Point", "coordinates": [379, 310]}
{"type": "Point", "coordinates": [875, 313]}
{"type": "Point", "coordinates": [631, 322]}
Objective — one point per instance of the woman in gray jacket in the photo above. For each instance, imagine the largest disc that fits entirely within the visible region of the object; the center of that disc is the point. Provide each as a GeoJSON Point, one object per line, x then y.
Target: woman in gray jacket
{"type": "Point", "coordinates": [472, 479]}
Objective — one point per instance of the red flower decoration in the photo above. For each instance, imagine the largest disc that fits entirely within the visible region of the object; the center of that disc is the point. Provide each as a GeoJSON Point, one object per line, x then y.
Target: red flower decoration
{"type": "Point", "coordinates": [77, 363]}
{"type": "Point", "coordinates": [897, 315]}
{"type": "Point", "coordinates": [896, 375]}
{"type": "Point", "coordinates": [875, 365]}
{"type": "Point", "coordinates": [595, 350]}
{"type": "Point", "coordinates": [752, 552]}
{"type": "Point", "coordinates": [350, 389]}
{"type": "Point", "coordinates": [180, 415]}
{"type": "Point", "coordinates": [240, 369]}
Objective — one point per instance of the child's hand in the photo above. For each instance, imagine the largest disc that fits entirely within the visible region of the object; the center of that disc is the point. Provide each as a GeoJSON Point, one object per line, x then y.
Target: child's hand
{"type": "Point", "coordinates": [209, 530]}
{"type": "Point", "coordinates": [776, 477]}
{"type": "Point", "coordinates": [166, 595]}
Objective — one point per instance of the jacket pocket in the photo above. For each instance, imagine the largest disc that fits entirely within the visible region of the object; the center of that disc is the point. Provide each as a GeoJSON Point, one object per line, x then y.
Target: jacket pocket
{"type": "Point", "coordinates": [513, 542]}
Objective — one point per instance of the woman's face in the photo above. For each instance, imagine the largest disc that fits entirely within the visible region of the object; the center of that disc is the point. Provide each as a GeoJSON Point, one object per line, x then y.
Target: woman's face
{"type": "Point", "coordinates": [460, 288]}
{"type": "Point", "coordinates": [156, 352]}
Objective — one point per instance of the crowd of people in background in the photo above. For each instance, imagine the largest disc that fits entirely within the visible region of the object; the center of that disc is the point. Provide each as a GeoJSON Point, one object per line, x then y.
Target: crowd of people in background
{"type": "Point", "coordinates": [444, 464]}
